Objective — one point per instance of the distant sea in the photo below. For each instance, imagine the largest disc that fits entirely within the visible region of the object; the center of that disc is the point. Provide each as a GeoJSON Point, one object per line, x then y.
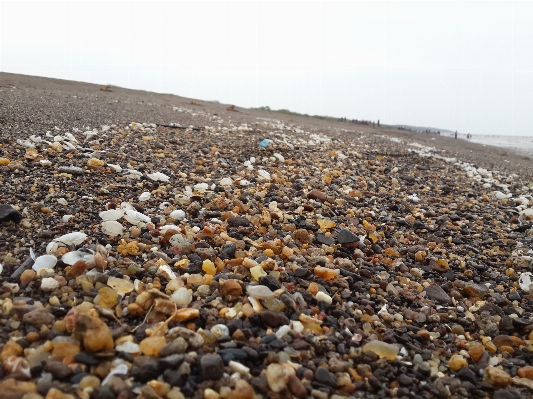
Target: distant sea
{"type": "Point", "coordinates": [520, 144]}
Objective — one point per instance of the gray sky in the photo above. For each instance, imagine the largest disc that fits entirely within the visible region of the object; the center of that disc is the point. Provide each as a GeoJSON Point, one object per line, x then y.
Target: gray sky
{"type": "Point", "coordinates": [450, 64]}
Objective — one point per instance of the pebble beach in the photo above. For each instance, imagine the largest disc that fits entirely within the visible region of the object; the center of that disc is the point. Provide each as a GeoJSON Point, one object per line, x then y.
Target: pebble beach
{"type": "Point", "coordinates": [154, 246]}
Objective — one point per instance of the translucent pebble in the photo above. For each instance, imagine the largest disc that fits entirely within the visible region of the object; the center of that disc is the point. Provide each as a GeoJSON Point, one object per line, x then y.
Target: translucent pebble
{"type": "Point", "coordinates": [120, 285]}
{"type": "Point", "coordinates": [135, 217]}
{"type": "Point", "coordinates": [112, 228]}
{"type": "Point", "coordinates": [238, 367]}
{"type": "Point", "coordinates": [158, 176]}
{"type": "Point", "coordinates": [201, 186]}
{"type": "Point", "coordinates": [66, 218]}
{"type": "Point", "coordinates": [182, 296]}
{"type": "Point", "coordinates": [321, 296]}
{"type": "Point", "coordinates": [72, 238]}
{"type": "Point", "coordinates": [382, 349]}
{"type": "Point", "coordinates": [44, 262]}
{"type": "Point", "coordinates": [178, 214]}
{"type": "Point", "coordinates": [259, 291]}
{"type": "Point", "coordinates": [220, 330]}
{"type": "Point", "coordinates": [226, 181]}
{"type": "Point", "coordinates": [209, 267]}
{"type": "Point", "coordinates": [274, 304]}
{"type": "Point", "coordinates": [62, 201]}
{"type": "Point", "coordinates": [112, 214]}
{"type": "Point", "coordinates": [144, 196]}
{"type": "Point", "coordinates": [257, 272]}
{"type": "Point", "coordinates": [282, 331]}
{"type": "Point", "coordinates": [107, 297]}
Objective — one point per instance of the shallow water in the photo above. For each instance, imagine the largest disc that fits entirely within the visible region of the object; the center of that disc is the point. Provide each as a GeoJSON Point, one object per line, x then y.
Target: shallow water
{"type": "Point", "coordinates": [520, 144]}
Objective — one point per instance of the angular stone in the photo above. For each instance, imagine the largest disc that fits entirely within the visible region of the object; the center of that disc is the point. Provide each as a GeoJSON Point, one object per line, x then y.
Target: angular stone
{"type": "Point", "coordinates": [231, 287]}
{"type": "Point", "coordinates": [437, 294]}
{"type": "Point", "coordinates": [323, 376]}
{"type": "Point", "coordinates": [211, 367]}
{"type": "Point", "coordinates": [345, 236]}
{"type": "Point", "coordinates": [274, 319]}
{"type": "Point", "coordinates": [497, 377]}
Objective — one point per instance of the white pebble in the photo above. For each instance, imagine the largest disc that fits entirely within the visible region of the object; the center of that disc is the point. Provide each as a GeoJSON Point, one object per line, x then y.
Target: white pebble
{"type": "Point", "coordinates": [238, 368]}
{"type": "Point", "coordinates": [321, 296]}
{"type": "Point", "coordinates": [178, 214]}
{"type": "Point", "coordinates": [282, 331]}
{"type": "Point", "coordinates": [220, 330]}
{"type": "Point", "coordinates": [49, 284]}
{"type": "Point", "coordinates": [182, 296]}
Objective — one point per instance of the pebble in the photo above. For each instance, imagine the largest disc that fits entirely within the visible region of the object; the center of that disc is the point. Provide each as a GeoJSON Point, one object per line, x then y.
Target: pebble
{"type": "Point", "coordinates": [9, 214]}
{"type": "Point", "coordinates": [211, 367]}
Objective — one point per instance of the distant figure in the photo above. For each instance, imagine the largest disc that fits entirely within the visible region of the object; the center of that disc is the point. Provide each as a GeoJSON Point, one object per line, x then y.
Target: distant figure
{"type": "Point", "coordinates": [456, 135]}
{"type": "Point", "coordinates": [378, 122]}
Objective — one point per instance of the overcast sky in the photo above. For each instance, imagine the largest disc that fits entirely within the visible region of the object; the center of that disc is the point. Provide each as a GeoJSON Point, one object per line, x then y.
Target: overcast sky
{"type": "Point", "coordinates": [451, 64]}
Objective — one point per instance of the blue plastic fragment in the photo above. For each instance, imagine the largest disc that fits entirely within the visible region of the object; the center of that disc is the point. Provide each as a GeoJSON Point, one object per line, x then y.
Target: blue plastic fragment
{"type": "Point", "coordinates": [265, 143]}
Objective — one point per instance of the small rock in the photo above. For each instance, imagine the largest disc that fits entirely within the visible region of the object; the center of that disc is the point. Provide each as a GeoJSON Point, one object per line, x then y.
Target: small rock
{"type": "Point", "coordinates": [296, 387]}
{"type": "Point", "coordinates": [274, 319]}
{"type": "Point", "coordinates": [497, 377]}
{"type": "Point", "coordinates": [38, 317]}
{"type": "Point", "coordinates": [437, 294]}
{"type": "Point", "coordinates": [277, 377]}
{"type": "Point", "coordinates": [93, 333]}
{"type": "Point", "coordinates": [9, 214]}
{"type": "Point", "coordinates": [323, 376]}
{"type": "Point", "coordinates": [211, 367]}
{"type": "Point", "coordinates": [317, 195]}
{"type": "Point", "coordinates": [346, 236]}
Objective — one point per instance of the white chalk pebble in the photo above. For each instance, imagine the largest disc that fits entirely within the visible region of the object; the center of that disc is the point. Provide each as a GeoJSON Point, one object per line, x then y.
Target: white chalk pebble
{"type": "Point", "coordinates": [321, 296]}
{"type": "Point", "coordinates": [49, 284]}
{"type": "Point", "coordinates": [282, 331]}
{"type": "Point", "coordinates": [178, 214]}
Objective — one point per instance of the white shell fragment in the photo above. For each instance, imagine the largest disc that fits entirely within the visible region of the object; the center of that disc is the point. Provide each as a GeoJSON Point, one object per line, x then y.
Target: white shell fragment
{"type": "Point", "coordinates": [135, 217]}
{"type": "Point", "coordinates": [112, 228]}
{"type": "Point", "coordinates": [525, 281]}
{"type": "Point", "coordinates": [144, 196]}
{"type": "Point", "coordinates": [72, 257]}
{"type": "Point", "coordinates": [158, 176]}
{"type": "Point", "coordinates": [72, 238]}
{"type": "Point", "coordinates": [112, 214]}
{"type": "Point", "coordinates": [44, 262]}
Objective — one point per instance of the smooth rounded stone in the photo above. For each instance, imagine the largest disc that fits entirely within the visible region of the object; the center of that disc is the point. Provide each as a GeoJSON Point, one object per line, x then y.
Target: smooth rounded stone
{"type": "Point", "coordinates": [44, 262]}
{"type": "Point", "coordinates": [211, 367]}
{"type": "Point", "coordinates": [179, 241]}
{"type": "Point", "coordinates": [259, 291]}
{"type": "Point", "coordinates": [38, 317]}
{"type": "Point", "coordinates": [243, 390]}
{"type": "Point", "coordinates": [497, 377]}
{"type": "Point", "coordinates": [323, 297]}
{"type": "Point", "coordinates": [382, 349]}
{"type": "Point", "coordinates": [345, 236]}
{"type": "Point", "coordinates": [316, 195]}
{"type": "Point", "coordinates": [193, 338]}
{"type": "Point", "coordinates": [277, 377]}
{"type": "Point", "coordinates": [220, 330]}
{"type": "Point", "coordinates": [178, 214]}
{"type": "Point", "coordinates": [112, 228]}
{"type": "Point", "coordinates": [437, 294]}
{"type": "Point", "coordinates": [150, 346]}
{"type": "Point", "coordinates": [89, 381]}
{"type": "Point", "coordinates": [178, 346]}
{"type": "Point", "coordinates": [525, 372]}
{"type": "Point", "coordinates": [49, 284]}
{"type": "Point", "coordinates": [323, 376]}
{"type": "Point", "coordinates": [59, 370]}
{"type": "Point", "coordinates": [9, 214]}
{"type": "Point", "coordinates": [457, 362]}
{"type": "Point", "coordinates": [296, 387]}
{"type": "Point", "coordinates": [274, 319]}
{"type": "Point", "coordinates": [477, 290]}
{"type": "Point", "coordinates": [182, 296]}
{"type": "Point", "coordinates": [112, 214]}
{"type": "Point", "coordinates": [73, 170]}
